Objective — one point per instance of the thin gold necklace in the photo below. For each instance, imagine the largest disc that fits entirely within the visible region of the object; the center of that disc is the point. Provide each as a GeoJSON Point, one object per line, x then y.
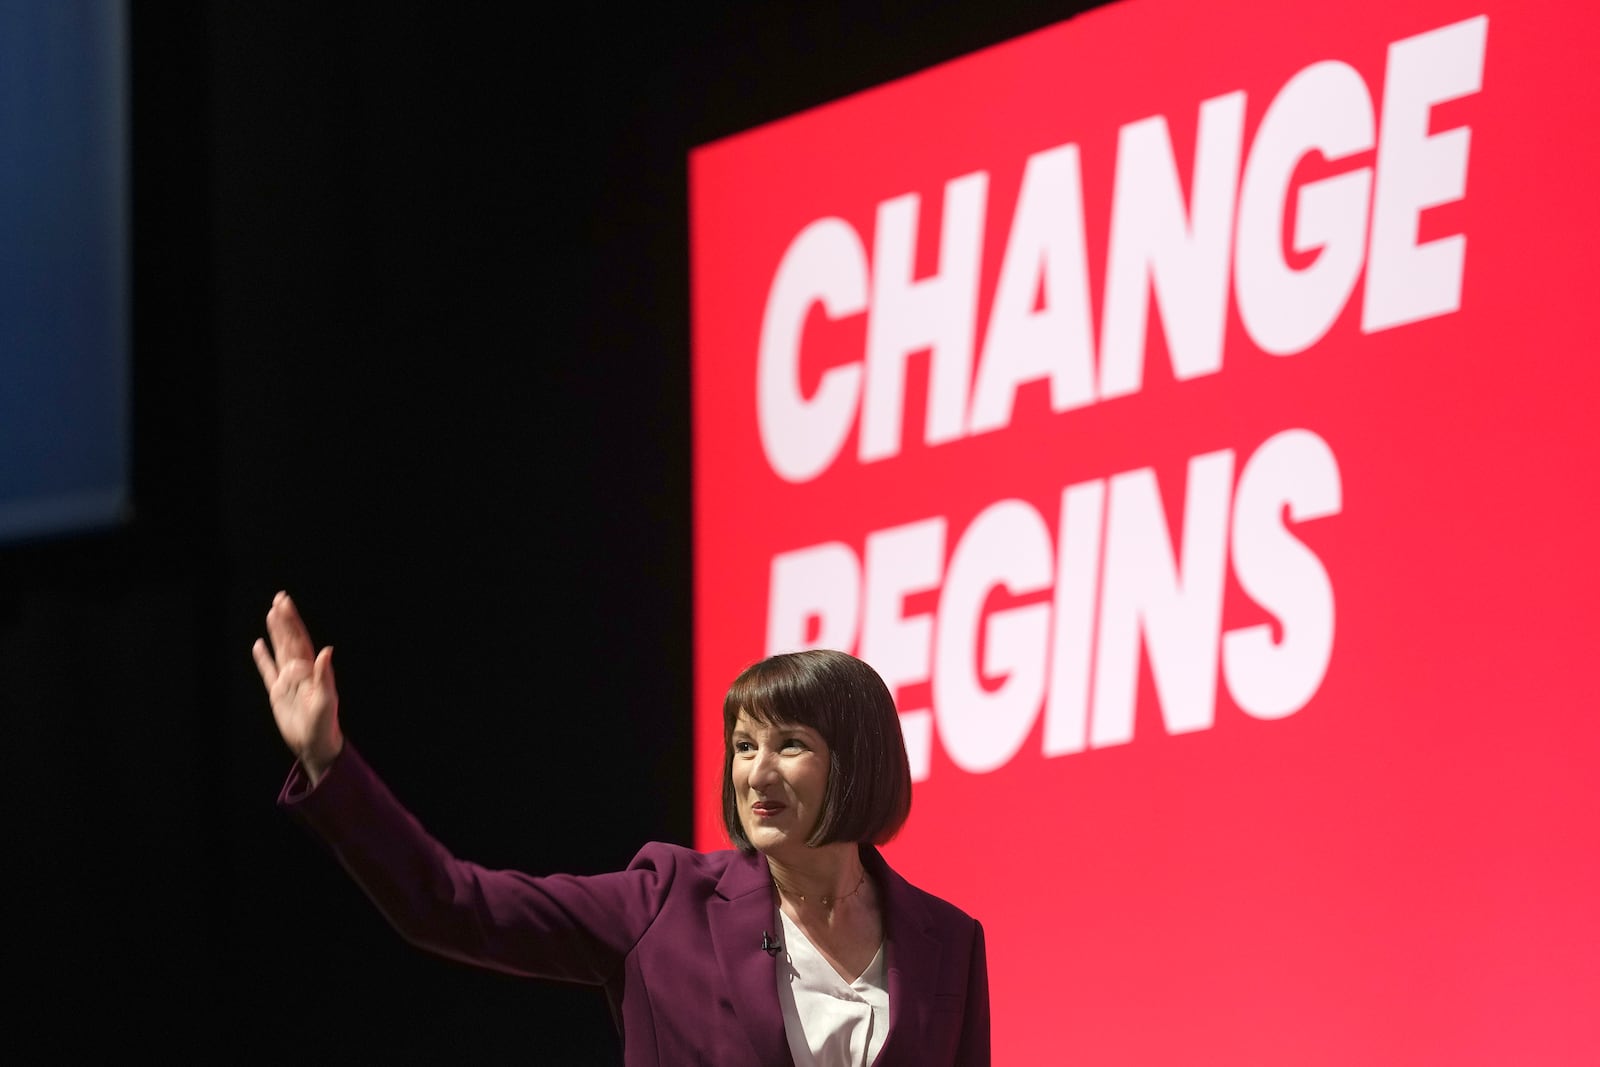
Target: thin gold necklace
{"type": "Point", "coordinates": [825, 901]}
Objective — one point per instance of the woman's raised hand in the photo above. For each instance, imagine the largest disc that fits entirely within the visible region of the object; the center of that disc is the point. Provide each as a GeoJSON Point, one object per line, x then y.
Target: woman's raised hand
{"type": "Point", "coordinates": [299, 683]}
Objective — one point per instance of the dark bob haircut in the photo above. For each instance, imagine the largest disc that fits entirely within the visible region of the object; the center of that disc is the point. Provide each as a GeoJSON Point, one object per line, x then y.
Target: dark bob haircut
{"type": "Point", "coordinates": [869, 779]}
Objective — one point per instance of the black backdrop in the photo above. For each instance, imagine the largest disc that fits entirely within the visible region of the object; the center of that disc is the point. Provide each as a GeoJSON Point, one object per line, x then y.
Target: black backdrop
{"type": "Point", "coordinates": [411, 340]}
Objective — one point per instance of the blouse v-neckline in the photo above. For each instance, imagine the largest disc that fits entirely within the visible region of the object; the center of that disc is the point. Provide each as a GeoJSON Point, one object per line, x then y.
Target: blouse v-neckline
{"type": "Point", "coordinates": [828, 1020]}
{"type": "Point", "coordinates": [871, 976]}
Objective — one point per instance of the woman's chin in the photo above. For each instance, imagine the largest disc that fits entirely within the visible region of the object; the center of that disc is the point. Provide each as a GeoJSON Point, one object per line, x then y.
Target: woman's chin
{"type": "Point", "coordinates": [770, 839]}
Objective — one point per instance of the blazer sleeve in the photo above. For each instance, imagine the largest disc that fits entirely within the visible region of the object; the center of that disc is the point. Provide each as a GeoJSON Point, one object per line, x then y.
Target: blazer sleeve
{"type": "Point", "coordinates": [563, 927]}
{"type": "Point", "coordinates": [974, 1047]}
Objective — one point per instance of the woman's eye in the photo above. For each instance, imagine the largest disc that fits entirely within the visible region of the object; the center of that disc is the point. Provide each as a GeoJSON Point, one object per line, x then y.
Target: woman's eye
{"type": "Point", "coordinates": [743, 746]}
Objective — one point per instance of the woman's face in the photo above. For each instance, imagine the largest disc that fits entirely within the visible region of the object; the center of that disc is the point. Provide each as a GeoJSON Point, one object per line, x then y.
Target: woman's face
{"type": "Point", "coordinates": [780, 774]}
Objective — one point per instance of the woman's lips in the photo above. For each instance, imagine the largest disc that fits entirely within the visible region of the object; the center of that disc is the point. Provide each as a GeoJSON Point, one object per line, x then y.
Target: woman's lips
{"type": "Point", "coordinates": [765, 809]}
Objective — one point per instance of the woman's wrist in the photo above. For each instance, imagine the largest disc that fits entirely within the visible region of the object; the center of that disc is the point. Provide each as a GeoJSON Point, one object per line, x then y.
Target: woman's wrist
{"type": "Point", "coordinates": [318, 758]}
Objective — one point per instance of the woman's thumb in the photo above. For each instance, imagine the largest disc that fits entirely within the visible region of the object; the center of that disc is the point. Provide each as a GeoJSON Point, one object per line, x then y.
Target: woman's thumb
{"type": "Point", "coordinates": [322, 669]}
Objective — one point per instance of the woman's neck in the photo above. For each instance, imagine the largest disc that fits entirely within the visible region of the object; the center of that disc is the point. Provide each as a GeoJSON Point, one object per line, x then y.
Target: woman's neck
{"type": "Point", "coordinates": [823, 875]}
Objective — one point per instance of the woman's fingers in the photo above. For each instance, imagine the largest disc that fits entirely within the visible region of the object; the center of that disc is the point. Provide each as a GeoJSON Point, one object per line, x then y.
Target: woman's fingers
{"type": "Point", "coordinates": [286, 662]}
{"type": "Point", "coordinates": [290, 638]}
{"type": "Point", "coordinates": [264, 664]}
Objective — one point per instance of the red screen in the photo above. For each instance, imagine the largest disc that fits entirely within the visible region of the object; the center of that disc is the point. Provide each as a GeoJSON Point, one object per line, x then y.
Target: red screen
{"type": "Point", "coordinates": [1186, 409]}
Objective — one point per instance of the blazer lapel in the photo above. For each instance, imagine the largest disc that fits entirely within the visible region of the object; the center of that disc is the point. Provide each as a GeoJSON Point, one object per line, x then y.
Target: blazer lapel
{"type": "Point", "coordinates": [915, 956]}
{"type": "Point", "coordinates": [738, 915]}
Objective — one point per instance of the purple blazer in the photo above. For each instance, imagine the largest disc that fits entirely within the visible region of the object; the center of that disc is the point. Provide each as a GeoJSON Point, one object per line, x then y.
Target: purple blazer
{"type": "Point", "coordinates": [675, 939]}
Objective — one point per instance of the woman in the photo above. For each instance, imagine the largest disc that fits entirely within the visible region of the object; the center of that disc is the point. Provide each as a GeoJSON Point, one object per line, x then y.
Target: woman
{"type": "Point", "coordinates": [800, 946]}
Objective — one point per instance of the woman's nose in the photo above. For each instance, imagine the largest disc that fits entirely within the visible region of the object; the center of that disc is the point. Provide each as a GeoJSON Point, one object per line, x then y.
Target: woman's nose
{"type": "Point", "coordinates": [763, 769]}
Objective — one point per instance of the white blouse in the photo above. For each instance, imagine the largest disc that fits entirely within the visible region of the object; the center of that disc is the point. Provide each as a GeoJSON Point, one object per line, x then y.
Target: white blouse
{"type": "Point", "coordinates": [829, 1022]}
